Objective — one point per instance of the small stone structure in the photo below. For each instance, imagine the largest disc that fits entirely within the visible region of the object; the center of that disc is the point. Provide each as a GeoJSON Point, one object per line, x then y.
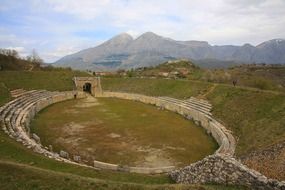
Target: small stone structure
{"type": "Point", "coordinates": [91, 85]}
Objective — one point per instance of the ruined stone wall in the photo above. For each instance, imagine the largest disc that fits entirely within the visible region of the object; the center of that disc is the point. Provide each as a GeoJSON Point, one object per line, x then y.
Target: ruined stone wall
{"type": "Point", "coordinates": [95, 82]}
{"type": "Point", "coordinates": [224, 170]}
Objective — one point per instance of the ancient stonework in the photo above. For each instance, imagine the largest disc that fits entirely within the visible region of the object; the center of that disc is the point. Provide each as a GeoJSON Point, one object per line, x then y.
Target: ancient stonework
{"type": "Point", "coordinates": [224, 170]}
{"type": "Point", "coordinates": [88, 84]}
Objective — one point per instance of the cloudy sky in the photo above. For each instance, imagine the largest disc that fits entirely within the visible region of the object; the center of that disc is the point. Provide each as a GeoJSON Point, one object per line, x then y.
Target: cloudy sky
{"type": "Point", "coordinates": [59, 27]}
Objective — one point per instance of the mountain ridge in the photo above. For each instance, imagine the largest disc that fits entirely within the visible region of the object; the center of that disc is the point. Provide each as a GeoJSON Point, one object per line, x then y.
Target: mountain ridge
{"type": "Point", "coordinates": [149, 49]}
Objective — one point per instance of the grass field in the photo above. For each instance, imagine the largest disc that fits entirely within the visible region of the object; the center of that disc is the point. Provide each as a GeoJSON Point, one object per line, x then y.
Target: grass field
{"type": "Point", "coordinates": [49, 80]}
{"type": "Point", "coordinates": [24, 177]}
{"type": "Point", "coordinates": [256, 117]}
{"type": "Point", "coordinates": [122, 132]}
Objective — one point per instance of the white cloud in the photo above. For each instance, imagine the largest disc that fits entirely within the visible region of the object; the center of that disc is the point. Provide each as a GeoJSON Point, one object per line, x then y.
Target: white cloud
{"type": "Point", "coordinates": [216, 21]}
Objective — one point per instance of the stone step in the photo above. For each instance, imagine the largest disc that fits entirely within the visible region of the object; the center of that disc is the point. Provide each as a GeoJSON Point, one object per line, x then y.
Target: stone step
{"type": "Point", "coordinates": [197, 105]}
{"type": "Point", "coordinates": [200, 101]}
{"type": "Point", "coordinates": [15, 104]}
{"type": "Point", "coordinates": [186, 104]}
{"type": "Point", "coordinates": [13, 112]}
{"type": "Point", "coordinates": [15, 101]}
{"type": "Point", "coordinates": [17, 92]}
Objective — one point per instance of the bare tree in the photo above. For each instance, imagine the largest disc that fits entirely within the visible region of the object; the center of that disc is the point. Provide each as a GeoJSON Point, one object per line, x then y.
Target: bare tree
{"type": "Point", "coordinates": [34, 58]}
{"type": "Point", "coordinates": [9, 52]}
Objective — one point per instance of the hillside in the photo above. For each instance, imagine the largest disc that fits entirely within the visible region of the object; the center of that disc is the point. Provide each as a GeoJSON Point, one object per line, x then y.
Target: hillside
{"type": "Point", "coordinates": [150, 49]}
{"type": "Point", "coordinates": [261, 76]}
{"type": "Point", "coordinates": [56, 80]}
{"type": "Point", "coordinates": [8, 62]}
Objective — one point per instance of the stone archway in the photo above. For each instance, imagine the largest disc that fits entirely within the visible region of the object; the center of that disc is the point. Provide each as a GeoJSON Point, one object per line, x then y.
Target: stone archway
{"type": "Point", "coordinates": [91, 85]}
{"type": "Point", "coordinates": [87, 87]}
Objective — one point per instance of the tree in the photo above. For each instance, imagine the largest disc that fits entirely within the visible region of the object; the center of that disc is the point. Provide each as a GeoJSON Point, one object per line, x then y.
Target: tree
{"type": "Point", "coordinates": [34, 58]}
{"type": "Point", "coordinates": [9, 52]}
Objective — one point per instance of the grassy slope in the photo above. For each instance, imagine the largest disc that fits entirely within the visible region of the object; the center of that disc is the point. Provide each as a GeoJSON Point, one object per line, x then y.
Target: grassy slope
{"type": "Point", "coordinates": [23, 177]}
{"type": "Point", "coordinates": [4, 94]}
{"type": "Point", "coordinates": [257, 117]}
{"type": "Point", "coordinates": [269, 77]}
{"type": "Point", "coordinates": [49, 80]}
{"type": "Point", "coordinates": [156, 87]}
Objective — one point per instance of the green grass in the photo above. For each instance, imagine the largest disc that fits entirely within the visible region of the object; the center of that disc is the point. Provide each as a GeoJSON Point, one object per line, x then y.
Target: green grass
{"type": "Point", "coordinates": [48, 80]}
{"type": "Point", "coordinates": [256, 117]}
{"type": "Point", "coordinates": [156, 87]}
{"type": "Point", "coordinates": [166, 137]}
{"type": "Point", "coordinates": [4, 94]}
{"type": "Point", "coordinates": [24, 177]}
{"type": "Point", "coordinates": [15, 152]}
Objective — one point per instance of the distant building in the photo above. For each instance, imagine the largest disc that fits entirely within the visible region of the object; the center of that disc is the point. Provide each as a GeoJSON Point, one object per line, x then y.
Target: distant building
{"type": "Point", "coordinates": [163, 74]}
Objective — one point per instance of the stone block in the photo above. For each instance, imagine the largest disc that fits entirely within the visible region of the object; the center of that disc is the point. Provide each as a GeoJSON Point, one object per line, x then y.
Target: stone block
{"type": "Point", "coordinates": [64, 154]}
{"type": "Point", "coordinates": [36, 138]}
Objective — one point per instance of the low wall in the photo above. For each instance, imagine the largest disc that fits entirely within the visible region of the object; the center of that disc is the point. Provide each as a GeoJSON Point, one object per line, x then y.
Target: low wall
{"type": "Point", "coordinates": [143, 170]}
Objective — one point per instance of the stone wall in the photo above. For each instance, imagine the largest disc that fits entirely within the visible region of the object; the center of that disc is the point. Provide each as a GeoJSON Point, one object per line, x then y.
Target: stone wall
{"type": "Point", "coordinates": [223, 169]}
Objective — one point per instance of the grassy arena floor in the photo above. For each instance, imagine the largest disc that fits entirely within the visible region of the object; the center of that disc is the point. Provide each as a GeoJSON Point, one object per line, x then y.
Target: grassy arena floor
{"type": "Point", "coordinates": [122, 132]}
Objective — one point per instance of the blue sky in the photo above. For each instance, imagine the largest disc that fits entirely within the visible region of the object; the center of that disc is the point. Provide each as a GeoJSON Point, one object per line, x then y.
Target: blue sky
{"type": "Point", "coordinates": [56, 28]}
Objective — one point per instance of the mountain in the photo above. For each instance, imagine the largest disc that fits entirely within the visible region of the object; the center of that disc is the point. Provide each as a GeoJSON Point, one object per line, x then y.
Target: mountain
{"type": "Point", "coordinates": [150, 49]}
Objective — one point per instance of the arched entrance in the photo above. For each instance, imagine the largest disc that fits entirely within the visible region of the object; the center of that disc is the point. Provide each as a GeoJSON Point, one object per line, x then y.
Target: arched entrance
{"type": "Point", "coordinates": [87, 87]}
{"type": "Point", "coordinates": [91, 85]}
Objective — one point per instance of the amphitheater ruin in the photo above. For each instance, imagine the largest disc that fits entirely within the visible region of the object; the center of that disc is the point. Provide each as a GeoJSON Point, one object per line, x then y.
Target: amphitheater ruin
{"type": "Point", "coordinates": [221, 167]}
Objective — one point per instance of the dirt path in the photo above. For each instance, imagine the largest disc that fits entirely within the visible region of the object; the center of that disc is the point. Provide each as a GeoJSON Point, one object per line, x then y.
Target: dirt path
{"type": "Point", "coordinates": [210, 90]}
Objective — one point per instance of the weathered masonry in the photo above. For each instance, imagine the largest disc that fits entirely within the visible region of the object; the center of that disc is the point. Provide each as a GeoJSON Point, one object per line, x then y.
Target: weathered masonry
{"type": "Point", "coordinates": [91, 85]}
